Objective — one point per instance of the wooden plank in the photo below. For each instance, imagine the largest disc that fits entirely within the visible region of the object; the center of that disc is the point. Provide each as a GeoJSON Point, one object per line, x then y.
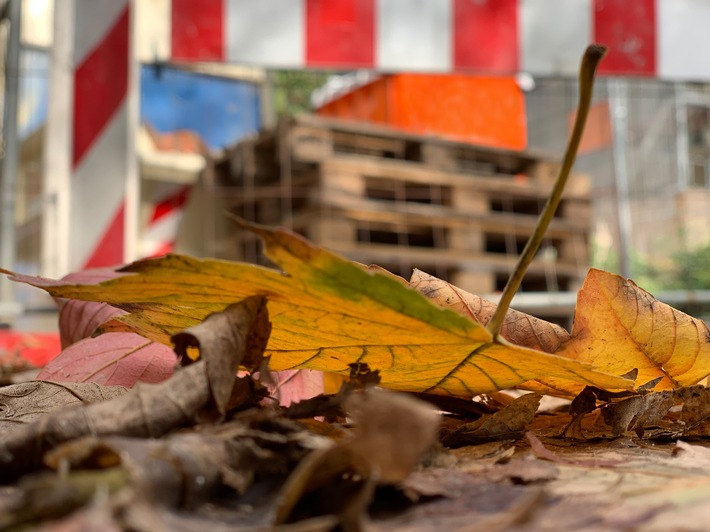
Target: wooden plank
{"type": "Point", "coordinates": [356, 143]}
{"type": "Point", "coordinates": [416, 173]}
{"type": "Point", "coordinates": [476, 203]}
{"type": "Point", "coordinates": [310, 143]}
{"type": "Point", "coordinates": [471, 261]}
{"type": "Point", "coordinates": [437, 215]}
{"type": "Point", "coordinates": [474, 282]}
{"type": "Point", "coordinates": [575, 249]}
{"type": "Point", "coordinates": [439, 156]}
{"type": "Point", "coordinates": [335, 124]}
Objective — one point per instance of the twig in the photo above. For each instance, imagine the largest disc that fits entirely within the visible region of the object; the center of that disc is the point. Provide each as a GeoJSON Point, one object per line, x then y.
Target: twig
{"type": "Point", "coordinates": [592, 57]}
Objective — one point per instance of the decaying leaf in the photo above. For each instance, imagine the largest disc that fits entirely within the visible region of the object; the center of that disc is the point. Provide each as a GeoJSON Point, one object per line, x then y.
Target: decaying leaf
{"type": "Point", "coordinates": [328, 312]}
{"type": "Point", "coordinates": [392, 432]}
{"type": "Point", "coordinates": [227, 340]}
{"type": "Point", "coordinates": [148, 410]}
{"type": "Point", "coordinates": [24, 403]}
{"type": "Point", "coordinates": [508, 423]}
{"type": "Point", "coordinates": [644, 411]}
{"type": "Point", "coordinates": [182, 470]}
{"type": "Point", "coordinates": [637, 413]}
{"type": "Point", "coordinates": [619, 327]}
{"type": "Point", "coordinates": [48, 496]}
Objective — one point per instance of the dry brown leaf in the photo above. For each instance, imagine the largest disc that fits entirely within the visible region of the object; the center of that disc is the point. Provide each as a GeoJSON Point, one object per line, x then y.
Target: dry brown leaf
{"type": "Point", "coordinates": [25, 403]}
{"type": "Point", "coordinates": [235, 337]}
{"type": "Point", "coordinates": [392, 431]}
{"type": "Point", "coordinates": [508, 423]}
{"type": "Point", "coordinates": [147, 410]}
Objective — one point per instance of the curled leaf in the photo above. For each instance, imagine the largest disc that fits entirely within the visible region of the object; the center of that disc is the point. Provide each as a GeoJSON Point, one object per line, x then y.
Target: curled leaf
{"type": "Point", "coordinates": [236, 336]}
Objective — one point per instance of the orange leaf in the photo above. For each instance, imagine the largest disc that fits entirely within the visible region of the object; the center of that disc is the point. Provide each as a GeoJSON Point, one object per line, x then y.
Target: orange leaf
{"type": "Point", "coordinates": [619, 326]}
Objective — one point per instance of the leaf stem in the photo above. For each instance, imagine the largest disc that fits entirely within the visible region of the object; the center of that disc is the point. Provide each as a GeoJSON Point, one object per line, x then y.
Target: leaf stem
{"type": "Point", "coordinates": [591, 59]}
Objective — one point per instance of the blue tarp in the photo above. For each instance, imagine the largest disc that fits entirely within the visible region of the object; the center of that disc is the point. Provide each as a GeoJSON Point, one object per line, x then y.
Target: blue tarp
{"type": "Point", "coordinates": [222, 111]}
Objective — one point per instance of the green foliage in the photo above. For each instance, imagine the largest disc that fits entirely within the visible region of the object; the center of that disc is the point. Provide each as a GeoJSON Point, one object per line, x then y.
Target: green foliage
{"type": "Point", "coordinates": [686, 270]}
{"type": "Point", "coordinates": [293, 89]}
{"type": "Point", "coordinates": [692, 269]}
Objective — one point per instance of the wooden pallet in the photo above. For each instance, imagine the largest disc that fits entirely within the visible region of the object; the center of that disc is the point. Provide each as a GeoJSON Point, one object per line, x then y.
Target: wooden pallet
{"type": "Point", "coordinates": [403, 201]}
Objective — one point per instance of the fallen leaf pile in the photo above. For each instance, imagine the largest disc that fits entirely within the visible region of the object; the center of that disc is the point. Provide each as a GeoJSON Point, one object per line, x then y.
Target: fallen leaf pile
{"type": "Point", "coordinates": [424, 433]}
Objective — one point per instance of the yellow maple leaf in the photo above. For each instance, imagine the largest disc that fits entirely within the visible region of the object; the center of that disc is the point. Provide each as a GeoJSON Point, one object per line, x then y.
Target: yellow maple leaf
{"type": "Point", "coordinates": [328, 312]}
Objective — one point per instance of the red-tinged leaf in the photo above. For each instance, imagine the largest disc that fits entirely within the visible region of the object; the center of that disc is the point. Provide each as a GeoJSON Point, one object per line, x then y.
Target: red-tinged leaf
{"type": "Point", "coordinates": [79, 319]}
{"type": "Point", "coordinates": [112, 359]}
{"type": "Point", "coordinates": [292, 386]}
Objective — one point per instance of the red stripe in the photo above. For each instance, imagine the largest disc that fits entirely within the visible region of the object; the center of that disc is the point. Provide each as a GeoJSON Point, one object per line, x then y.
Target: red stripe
{"type": "Point", "coordinates": [198, 30]}
{"type": "Point", "coordinates": [109, 251]}
{"type": "Point", "coordinates": [628, 28]}
{"type": "Point", "coordinates": [486, 35]}
{"type": "Point", "coordinates": [340, 33]}
{"type": "Point", "coordinates": [100, 86]}
{"type": "Point", "coordinates": [172, 202]}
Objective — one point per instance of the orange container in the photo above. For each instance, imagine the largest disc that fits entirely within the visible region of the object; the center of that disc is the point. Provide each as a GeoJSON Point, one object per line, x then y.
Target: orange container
{"type": "Point", "coordinates": [480, 109]}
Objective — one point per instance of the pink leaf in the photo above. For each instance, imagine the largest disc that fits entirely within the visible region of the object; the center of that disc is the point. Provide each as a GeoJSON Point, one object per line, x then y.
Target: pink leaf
{"type": "Point", "coordinates": [292, 386]}
{"type": "Point", "coordinates": [79, 319]}
{"type": "Point", "coordinates": [112, 359]}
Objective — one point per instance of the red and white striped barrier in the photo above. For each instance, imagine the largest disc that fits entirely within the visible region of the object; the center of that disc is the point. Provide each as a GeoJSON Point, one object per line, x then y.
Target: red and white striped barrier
{"type": "Point", "coordinates": [662, 38]}
{"type": "Point", "coordinates": [99, 162]}
{"type": "Point", "coordinates": [90, 174]}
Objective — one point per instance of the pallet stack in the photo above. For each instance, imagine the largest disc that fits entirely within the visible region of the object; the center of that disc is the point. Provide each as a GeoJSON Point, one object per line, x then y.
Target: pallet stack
{"type": "Point", "coordinates": [458, 211]}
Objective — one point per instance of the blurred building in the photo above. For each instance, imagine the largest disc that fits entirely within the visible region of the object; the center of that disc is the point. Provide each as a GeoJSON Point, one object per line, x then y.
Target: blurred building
{"type": "Point", "coordinates": [647, 148]}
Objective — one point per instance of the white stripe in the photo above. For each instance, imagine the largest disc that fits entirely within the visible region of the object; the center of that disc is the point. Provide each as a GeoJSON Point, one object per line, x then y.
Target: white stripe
{"type": "Point", "coordinates": [266, 32]}
{"type": "Point", "coordinates": [97, 189]}
{"type": "Point", "coordinates": [553, 35]}
{"type": "Point", "coordinates": [94, 18]}
{"type": "Point", "coordinates": [153, 30]}
{"type": "Point", "coordinates": [683, 39]}
{"type": "Point", "coordinates": [414, 35]}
